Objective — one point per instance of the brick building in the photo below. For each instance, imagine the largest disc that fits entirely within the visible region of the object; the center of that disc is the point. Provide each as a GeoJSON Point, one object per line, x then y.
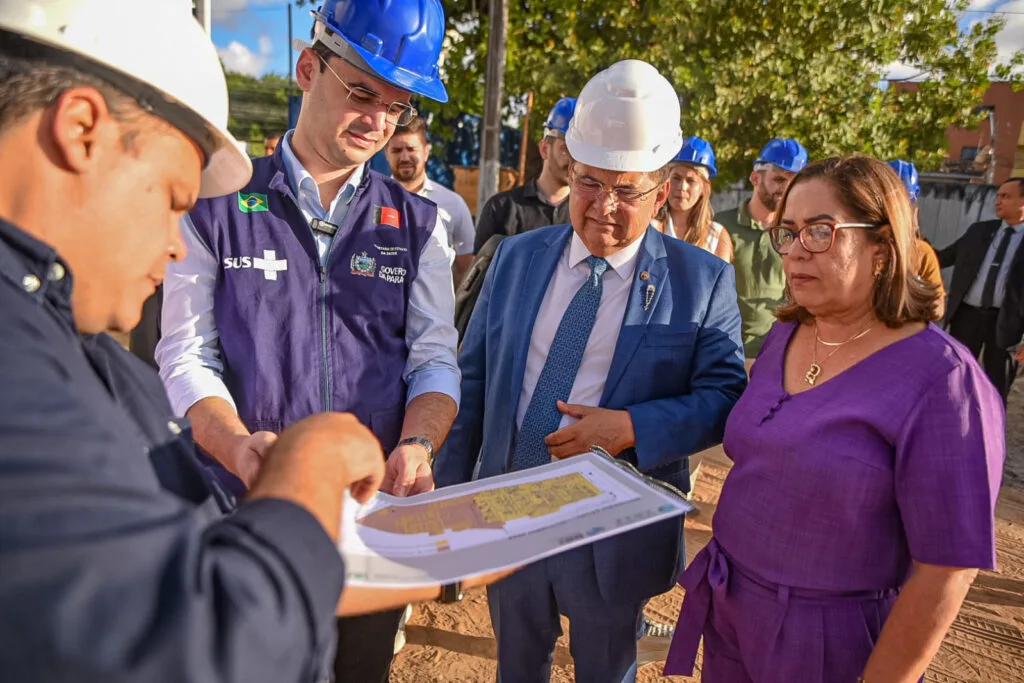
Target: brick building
{"type": "Point", "coordinates": [970, 151]}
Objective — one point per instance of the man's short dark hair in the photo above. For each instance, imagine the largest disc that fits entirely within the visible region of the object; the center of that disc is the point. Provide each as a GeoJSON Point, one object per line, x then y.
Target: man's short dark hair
{"type": "Point", "coordinates": [417, 127]}
{"type": "Point", "coordinates": [1020, 183]}
{"type": "Point", "coordinates": [29, 81]}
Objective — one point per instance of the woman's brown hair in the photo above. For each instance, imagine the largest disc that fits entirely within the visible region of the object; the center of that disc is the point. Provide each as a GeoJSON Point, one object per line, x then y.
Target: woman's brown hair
{"type": "Point", "coordinates": [872, 192]}
{"type": "Point", "coordinates": [698, 221]}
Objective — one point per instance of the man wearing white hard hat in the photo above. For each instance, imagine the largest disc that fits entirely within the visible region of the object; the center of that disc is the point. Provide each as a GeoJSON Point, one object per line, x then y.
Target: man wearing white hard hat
{"type": "Point", "coordinates": [599, 333]}
{"type": "Point", "coordinates": [117, 562]}
{"type": "Point", "coordinates": [324, 285]}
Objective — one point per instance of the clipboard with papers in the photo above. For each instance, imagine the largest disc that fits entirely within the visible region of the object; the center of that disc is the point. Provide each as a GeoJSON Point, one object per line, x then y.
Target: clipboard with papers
{"type": "Point", "coordinates": [500, 522]}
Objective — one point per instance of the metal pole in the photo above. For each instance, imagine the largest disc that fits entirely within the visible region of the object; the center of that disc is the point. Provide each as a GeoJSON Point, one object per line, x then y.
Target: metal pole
{"type": "Point", "coordinates": [291, 66]}
{"type": "Point", "coordinates": [524, 139]}
{"type": "Point", "coordinates": [490, 149]}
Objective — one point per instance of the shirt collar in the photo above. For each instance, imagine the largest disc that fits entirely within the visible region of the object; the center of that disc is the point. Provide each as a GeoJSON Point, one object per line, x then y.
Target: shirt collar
{"type": "Point", "coordinates": [746, 219]}
{"type": "Point", "coordinates": [35, 268]}
{"type": "Point", "coordinates": [623, 262]}
{"type": "Point", "coordinates": [427, 189]}
{"type": "Point", "coordinates": [301, 180]}
{"type": "Point", "coordinates": [1016, 227]}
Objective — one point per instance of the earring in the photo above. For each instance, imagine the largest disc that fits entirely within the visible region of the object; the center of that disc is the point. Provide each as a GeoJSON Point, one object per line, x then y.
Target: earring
{"type": "Point", "coordinates": [879, 269]}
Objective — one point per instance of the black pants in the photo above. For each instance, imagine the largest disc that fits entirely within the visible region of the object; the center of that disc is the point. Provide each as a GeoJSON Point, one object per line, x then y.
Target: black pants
{"type": "Point", "coordinates": [976, 329]}
{"type": "Point", "coordinates": [366, 646]}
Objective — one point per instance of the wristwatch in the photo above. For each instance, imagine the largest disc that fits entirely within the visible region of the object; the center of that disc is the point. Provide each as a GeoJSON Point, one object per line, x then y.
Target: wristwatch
{"type": "Point", "coordinates": [451, 593]}
{"type": "Point", "coordinates": [420, 441]}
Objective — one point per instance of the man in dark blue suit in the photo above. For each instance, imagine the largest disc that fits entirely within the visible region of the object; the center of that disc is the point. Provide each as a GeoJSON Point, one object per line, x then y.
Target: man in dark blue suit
{"type": "Point", "coordinates": [603, 332]}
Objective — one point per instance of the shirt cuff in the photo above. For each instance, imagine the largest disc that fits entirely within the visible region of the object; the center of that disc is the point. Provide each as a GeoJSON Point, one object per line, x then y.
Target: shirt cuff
{"type": "Point", "coordinates": [303, 544]}
{"type": "Point", "coordinates": [189, 388]}
{"type": "Point", "coordinates": [443, 380]}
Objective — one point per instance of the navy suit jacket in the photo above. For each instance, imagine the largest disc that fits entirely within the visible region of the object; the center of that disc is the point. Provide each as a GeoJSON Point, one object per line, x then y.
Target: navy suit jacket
{"type": "Point", "coordinates": [677, 369]}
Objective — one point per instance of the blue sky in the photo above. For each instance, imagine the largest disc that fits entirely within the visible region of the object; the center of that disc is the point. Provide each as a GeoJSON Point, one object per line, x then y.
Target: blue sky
{"type": "Point", "coordinates": [252, 35]}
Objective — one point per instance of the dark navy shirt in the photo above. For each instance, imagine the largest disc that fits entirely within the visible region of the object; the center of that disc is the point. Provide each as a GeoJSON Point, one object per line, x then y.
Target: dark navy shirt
{"type": "Point", "coordinates": [116, 563]}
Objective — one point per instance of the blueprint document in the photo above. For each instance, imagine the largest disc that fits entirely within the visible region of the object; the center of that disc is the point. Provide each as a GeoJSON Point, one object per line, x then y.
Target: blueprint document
{"type": "Point", "coordinates": [498, 523]}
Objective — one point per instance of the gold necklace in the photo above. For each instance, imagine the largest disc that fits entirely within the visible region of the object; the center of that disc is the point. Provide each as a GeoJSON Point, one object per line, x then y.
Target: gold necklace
{"type": "Point", "coordinates": [811, 376]}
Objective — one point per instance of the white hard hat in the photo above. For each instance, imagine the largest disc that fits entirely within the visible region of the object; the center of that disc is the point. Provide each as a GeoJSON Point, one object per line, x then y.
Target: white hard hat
{"type": "Point", "coordinates": [626, 120]}
{"type": "Point", "coordinates": [154, 51]}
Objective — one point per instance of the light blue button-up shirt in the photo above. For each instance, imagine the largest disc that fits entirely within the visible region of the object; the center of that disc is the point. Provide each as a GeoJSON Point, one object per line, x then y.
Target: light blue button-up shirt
{"type": "Point", "coordinates": [974, 294]}
{"type": "Point", "coordinates": [188, 354]}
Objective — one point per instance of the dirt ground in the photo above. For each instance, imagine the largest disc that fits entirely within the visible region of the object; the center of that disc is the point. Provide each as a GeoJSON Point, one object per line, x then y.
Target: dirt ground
{"type": "Point", "coordinates": [455, 644]}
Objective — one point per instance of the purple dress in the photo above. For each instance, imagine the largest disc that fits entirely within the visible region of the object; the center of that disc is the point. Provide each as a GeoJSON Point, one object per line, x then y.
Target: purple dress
{"type": "Point", "coordinates": [834, 492]}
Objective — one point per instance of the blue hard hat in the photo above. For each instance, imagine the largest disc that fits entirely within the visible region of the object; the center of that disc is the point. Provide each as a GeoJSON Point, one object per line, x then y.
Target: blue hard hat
{"type": "Point", "coordinates": [908, 174]}
{"type": "Point", "coordinates": [699, 152]}
{"type": "Point", "coordinates": [561, 114]}
{"type": "Point", "coordinates": [399, 40]}
{"type": "Point", "coordinates": [786, 153]}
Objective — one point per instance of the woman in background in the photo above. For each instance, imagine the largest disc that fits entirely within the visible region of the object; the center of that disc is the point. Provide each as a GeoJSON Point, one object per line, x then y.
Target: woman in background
{"type": "Point", "coordinates": [688, 213]}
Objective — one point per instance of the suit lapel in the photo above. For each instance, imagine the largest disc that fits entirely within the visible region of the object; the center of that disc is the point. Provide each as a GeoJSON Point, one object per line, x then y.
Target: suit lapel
{"type": "Point", "coordinates": [649, 282]}
{"type": "Point", "coordinates": [978, 255]}
{"type": "Point", "coordinates": [539, 271]}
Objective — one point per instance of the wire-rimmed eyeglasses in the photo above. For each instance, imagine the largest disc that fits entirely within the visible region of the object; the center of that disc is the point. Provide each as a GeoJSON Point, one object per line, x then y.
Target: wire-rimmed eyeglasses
{"type": "Point", "coordinates": [397, 113]}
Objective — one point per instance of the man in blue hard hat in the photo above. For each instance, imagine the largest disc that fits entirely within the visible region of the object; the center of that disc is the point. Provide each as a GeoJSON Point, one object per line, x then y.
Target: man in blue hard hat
{"type": "Point", "coordinates": [538, 202]}
{"type": "Point", "coordinates": [323, 285]}
{"type": "Point", "coordinates": [760, 281]}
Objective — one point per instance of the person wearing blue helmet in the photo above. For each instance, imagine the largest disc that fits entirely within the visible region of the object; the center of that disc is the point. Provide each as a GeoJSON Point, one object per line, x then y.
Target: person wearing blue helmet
{"type": "Point", "coordinates": [323, 285]}
{"type": "Point", "coordinates": [760, 281]}
{"type": "Point", "coordinates": [927, 260]}
{"type": "Point", "coordinates": [688, 214]}
{"type": "Point", "coordinates": [538, 202]}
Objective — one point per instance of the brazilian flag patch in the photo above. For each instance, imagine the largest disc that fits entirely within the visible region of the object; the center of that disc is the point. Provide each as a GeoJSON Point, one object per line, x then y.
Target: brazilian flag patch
{"type": "Point", "coordinates": [252, 203]}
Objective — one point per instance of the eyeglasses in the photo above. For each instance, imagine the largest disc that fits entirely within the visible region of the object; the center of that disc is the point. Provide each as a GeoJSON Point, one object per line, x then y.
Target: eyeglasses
{"type": "Point", "coordinates": [814, 237]}
{"type": "Point", "coordinates": [367, 101]}
{"type": "Point", "coordinates": [590, 189]}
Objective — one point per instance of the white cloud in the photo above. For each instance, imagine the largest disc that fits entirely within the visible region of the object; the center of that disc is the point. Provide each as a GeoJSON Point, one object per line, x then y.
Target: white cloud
{"type": "Point", "coordinates": [221, 10]}
{"type": "Point", "coordinates": [1011, 39]}
{"type": "Point", "coordinates": [237, 57]}
{"type": "Point", "coordinates": [901, 71]}
{"type": "Point", "coordinates": [983, 4]}
{"type": "Point", "coordinates": [224, 11]}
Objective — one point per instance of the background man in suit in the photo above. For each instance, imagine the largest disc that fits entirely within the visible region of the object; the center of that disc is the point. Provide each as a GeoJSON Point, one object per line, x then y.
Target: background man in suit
{"type": "Point", "coordinates": [986, 296]}
{"type": "Point", "coordinates": [631, 343]}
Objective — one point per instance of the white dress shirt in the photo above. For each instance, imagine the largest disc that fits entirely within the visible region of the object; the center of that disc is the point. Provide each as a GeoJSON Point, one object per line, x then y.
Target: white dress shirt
{"type": "Point", "coordinates": [974, 294]}
{"type": "Point", "coordinates": [454, 214]}
{"type": "Point", "coordinates": [570, 274]}
{"type": "Point", "coordinates": [189, 354]}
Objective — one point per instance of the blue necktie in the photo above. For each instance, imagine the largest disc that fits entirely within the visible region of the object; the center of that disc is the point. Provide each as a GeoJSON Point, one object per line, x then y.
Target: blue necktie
{"type": "Point", "coordinates": [559, 372]}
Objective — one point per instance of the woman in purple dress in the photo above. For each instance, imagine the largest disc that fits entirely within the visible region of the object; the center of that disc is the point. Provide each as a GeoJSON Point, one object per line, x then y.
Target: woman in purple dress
{"type": "Point", "coordinates": [868, 453]}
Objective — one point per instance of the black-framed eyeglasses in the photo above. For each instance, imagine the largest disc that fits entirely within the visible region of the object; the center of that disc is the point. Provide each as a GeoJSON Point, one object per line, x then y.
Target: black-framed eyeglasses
{"type": "Point", "coordinates": [814, 237]}
{"type": "Point", "coordinates": [590, 189]}
{"type": "Point", "coordinates": [367, 101]}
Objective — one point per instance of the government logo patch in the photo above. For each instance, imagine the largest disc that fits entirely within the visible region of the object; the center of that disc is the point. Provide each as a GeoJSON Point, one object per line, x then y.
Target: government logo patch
{"type": "Point", "coordinates": [363, 265]}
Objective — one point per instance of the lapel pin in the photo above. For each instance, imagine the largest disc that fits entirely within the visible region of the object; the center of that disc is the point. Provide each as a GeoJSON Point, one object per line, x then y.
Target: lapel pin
{"type": "Point", "coordinates": [644, 275]}
{"type": "Point", "coordinates": [648, 296]}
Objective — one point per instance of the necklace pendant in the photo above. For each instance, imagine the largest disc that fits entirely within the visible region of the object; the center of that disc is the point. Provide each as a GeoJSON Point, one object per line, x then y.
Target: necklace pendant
{"type": "Point", "coordinates": [812, 373]}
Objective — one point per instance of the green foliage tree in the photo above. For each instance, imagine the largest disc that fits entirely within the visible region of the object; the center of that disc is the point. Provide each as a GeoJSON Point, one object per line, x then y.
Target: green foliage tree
{"type": "Point", "coordinates": [257, 105]}
{"type": "Point", "coordinates": [750, 70]}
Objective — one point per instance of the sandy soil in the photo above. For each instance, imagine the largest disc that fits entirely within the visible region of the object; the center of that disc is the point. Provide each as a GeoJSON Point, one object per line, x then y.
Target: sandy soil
{"type": "Point", "coordinates": [985, 645]}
